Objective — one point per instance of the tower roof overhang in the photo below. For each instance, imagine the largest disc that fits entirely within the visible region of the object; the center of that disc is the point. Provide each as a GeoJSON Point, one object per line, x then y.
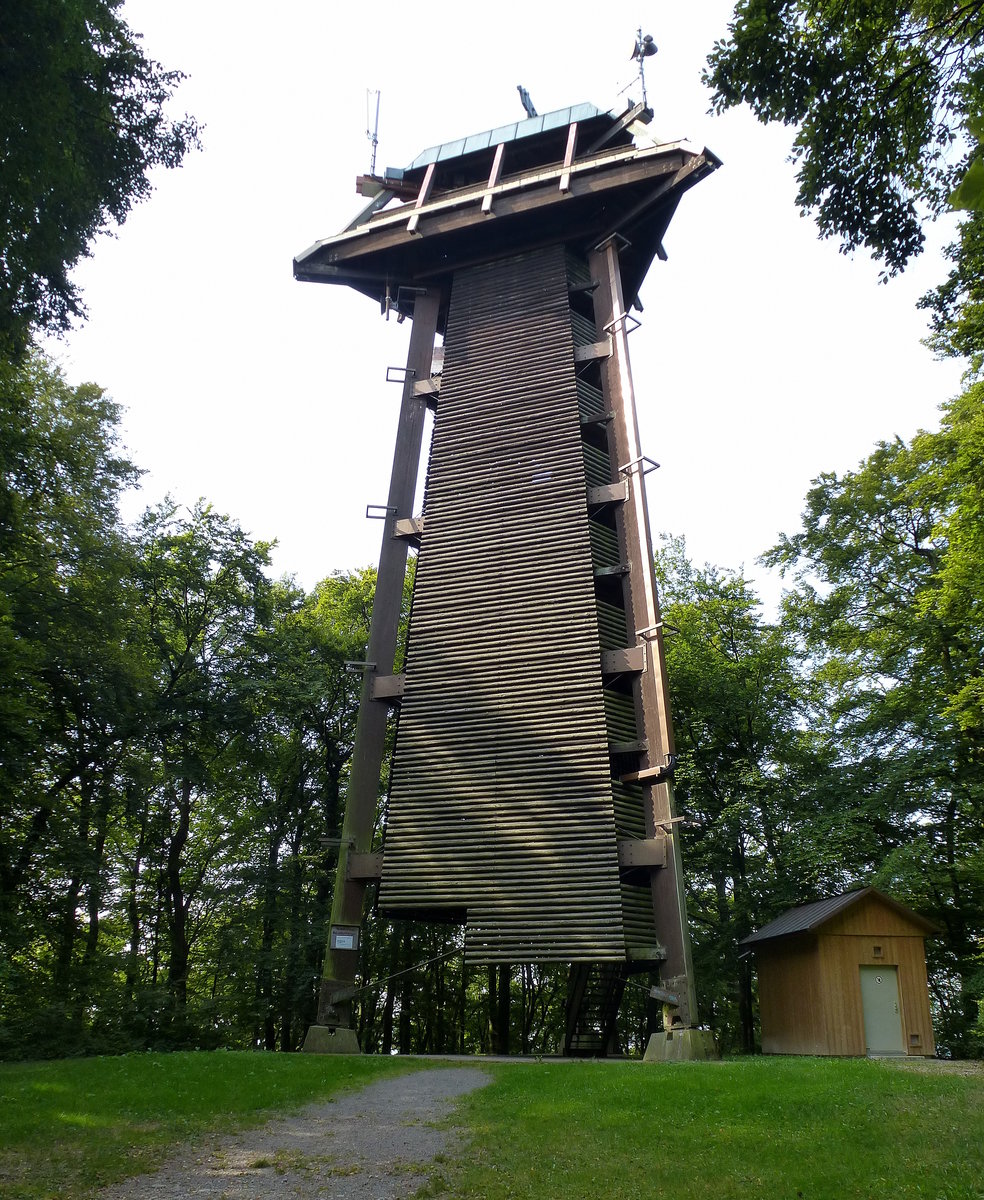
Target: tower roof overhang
{"type": "Point", "coordinates": [578, 177]}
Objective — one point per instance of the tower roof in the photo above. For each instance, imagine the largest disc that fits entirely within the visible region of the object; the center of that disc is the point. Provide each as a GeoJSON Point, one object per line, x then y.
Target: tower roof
{"type": "Point", "coordinates": [560, 118]}
{"type": "Point", "coordinates": [576, 176]}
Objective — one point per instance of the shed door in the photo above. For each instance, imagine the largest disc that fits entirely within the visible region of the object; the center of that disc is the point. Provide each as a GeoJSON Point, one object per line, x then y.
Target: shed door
{"type": "Point", "coordinates": [882, 1011]}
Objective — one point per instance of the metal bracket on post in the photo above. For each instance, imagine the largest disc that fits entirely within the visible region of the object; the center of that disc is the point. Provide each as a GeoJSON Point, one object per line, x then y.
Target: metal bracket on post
{"type": "Point", "coordinates": [626, 320]}
{"type": "Point", "coordinates": [649, 633]}
{"type": "Point", "coordinates": [654, 775]}
{"type": "Point", "coordinates": [630, 466]}
{"type": "Point", "coordinates": [379, 512]}
{"type": "Point", "coordinates": [405, 373]}
{"type": "Point", "coordinates": [618, 241]}
{"type": "Point", "coordinates": [356, 666]}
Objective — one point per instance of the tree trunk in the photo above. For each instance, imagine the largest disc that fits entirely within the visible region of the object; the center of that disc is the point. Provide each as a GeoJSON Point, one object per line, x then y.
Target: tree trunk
{"type": "Point", "coordinates": [65, 947]}
{"type": "Point", "coordinates": [404, 1025]}
{"type": "Point", "coordinates": [264, 975]}
{"type": "Point", "coordinates": [180, 951]}
{"type": "Point", "coordinates": [132, 968]}
{"type": "Point", "coordinates": [94, 907]}
{"type": "Point", "coordinates": [499, 998]}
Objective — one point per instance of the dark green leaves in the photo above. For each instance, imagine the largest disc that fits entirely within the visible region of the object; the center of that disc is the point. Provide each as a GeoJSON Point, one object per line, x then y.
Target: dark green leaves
{"type": "Point", "coordinates": [882, 94]}
{"type": "Point", "coordinates": [82, 124]}
{"type": "Point", "coordinates": [889, 571]}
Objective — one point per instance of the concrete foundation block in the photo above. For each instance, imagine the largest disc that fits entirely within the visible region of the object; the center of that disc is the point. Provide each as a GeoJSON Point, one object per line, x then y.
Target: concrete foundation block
{"type": "Point", "coordinates": [331, 1039]}
{"type": "Point", "coordinates": [681, 1045]}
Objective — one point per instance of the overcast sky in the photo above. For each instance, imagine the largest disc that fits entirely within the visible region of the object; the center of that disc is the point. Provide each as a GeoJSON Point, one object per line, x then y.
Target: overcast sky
{"type": "Point", "coordinates": [765, 356]}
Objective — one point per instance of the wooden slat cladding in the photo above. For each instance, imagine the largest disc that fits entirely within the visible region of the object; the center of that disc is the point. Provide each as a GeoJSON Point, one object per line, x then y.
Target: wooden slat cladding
{"type": "Point", "coordinates": [501, 799]}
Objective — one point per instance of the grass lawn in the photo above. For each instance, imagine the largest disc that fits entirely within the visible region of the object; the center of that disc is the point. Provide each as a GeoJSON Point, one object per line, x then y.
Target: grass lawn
{"type": "Point", "coordinates": [67, 1127]}
{"type": "Point", "coordinates": [802, 1129]}
{"type": "Point", "coordinates": [764, 1127]}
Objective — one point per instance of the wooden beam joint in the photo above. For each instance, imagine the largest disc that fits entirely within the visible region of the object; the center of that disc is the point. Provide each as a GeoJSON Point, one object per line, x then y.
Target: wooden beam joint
{"type": "Point", "coordinates": [652, 774]}
{"type": "Point", "coordinates": [424, 195]}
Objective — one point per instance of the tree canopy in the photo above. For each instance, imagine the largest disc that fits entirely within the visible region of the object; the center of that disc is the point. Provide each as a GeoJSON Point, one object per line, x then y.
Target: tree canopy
{"type": "Point", "coordinates": [887, 100]}
{"type": "Point", "coordinates": [177, 728]}
{"type": "Point", "coordinates": [889, 575]}
{"type": "Point", "coordinates": [82, 122]}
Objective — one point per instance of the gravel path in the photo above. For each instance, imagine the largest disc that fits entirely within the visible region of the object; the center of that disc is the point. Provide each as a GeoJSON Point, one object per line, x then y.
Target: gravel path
{"type": "Point", "coordinates": [376, 1144]}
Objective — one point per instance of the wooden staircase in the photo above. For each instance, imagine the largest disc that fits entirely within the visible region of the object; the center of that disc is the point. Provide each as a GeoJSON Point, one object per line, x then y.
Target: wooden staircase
{"type": "Point", "coordinates": [594, 993]}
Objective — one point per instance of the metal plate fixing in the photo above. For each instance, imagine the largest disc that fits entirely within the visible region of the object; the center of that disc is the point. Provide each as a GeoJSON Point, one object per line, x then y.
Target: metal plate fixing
{"type": "Point", "coordinates": [609, 493]}
{"type": "Point", "coordinates": [646, 852]}
{"type": "Point", "coordinates": [388, 687]}
{"type": "Point", "coordinates": [593, 351]}
{"type": "Point", "coordinates": [364, 866]}
{"type": "Point", "coordinates": [408, 527]}
{"type": "Point", "coordinates": [616, 662]}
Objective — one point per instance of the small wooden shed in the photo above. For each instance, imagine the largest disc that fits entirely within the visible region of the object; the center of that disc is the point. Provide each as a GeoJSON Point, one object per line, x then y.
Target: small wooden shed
{"type": "Point", "coordinates": [845, 975]}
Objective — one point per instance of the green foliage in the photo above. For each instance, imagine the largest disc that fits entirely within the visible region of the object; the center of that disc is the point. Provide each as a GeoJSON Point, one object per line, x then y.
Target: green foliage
{"type": "Point", "coordinates": [747, 777]}
{"type": "Point", "coordinates": [82, 124]}
{"type": "Point", "coordinates": [887, 607]}
{"type": "Point", "coordinates": [956, 307]}
{"type": "Point", "coordinates": [176, 730]}
{"type": "Point", "coordinates": [419, 997]}
{"type": "Point", "coordinates": [885, 97]}
{"type": "Point", "coordinates": [69, 687]}
{"type": "Point", "coordinates": [970, 191]}
{"type": "Point", "coordinates": [887, 100]}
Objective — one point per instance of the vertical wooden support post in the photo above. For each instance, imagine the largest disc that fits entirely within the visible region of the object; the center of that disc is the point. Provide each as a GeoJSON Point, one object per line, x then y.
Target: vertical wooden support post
{"type": "Point", "coordinates": [341, 962]}
{"type": "Point", "coordinates": [642, 605]}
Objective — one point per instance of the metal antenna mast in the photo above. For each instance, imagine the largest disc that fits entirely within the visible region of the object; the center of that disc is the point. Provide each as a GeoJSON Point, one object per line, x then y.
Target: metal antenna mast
{"type": "Point", "coordinates": [645, 47]}
{"type": "Point", "coordinates": [373, 133]}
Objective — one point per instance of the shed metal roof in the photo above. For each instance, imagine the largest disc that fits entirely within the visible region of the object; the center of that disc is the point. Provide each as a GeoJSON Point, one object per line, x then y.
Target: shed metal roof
{"type": "Point", "coordinates": [807, 917]}
{"type": "Point", "coordinates": [557, 119]}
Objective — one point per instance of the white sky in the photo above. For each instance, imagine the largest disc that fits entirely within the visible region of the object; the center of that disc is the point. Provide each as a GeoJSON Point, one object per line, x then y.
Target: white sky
{"type": "Point", "coordinates": [765, 356]}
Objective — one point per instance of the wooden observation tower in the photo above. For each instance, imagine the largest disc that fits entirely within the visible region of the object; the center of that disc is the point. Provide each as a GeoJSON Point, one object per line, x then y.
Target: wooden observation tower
{"type": "Point", "coordinates": [531, 795]}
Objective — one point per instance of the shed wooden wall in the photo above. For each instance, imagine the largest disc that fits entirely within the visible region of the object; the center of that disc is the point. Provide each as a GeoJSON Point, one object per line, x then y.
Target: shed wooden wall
{"type": "Point", "coordinates": [810, 985]}
{"type": "Point", "coordinates": [840, 957]}
{"type": "Point", "coordinates": [790, 997]}
{"type": "Point", "coordinates": [871, 918]}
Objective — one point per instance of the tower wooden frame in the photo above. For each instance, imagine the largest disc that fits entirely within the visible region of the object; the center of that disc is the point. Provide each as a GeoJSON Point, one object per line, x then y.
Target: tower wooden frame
{"type": "Point", "coordinates": [553, 838]}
